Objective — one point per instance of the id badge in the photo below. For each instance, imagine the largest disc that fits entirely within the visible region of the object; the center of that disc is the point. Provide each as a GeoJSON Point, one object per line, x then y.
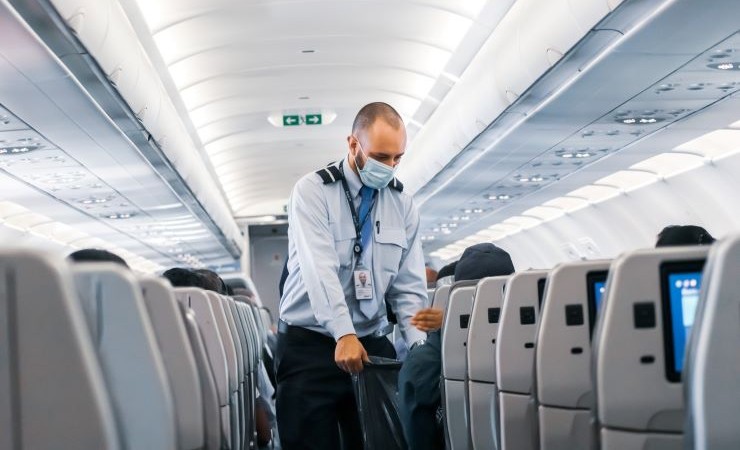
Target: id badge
{"type": "Point", "coordinates": [363, 284]}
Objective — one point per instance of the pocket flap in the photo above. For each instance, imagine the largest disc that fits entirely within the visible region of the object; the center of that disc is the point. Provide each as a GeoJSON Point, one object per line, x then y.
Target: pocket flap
{"type": "Point", "coordinates": [390, 235]}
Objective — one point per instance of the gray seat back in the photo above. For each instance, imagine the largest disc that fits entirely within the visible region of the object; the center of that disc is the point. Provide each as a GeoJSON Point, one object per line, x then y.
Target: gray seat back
{"type": "Point", "coordinates": [197, 300]}
{"type": "Point", "coordinates": [638, 390]}
{"type": "Point", "coordinates": [52, 390]}
{"type": "Point", "coordinates": [562, 390]}
{"type": "Point", "coordinates": [517, 332]}
{"type": "Point", "coordinates": [207, 382]}
{"type": "Point", "coordinates": [455, 330]}
{"type": "Point", "coordinates": [515, 360]}
{"type": "Point", "coordinates": [179, 361]}
{"type": "Point", "coordinates": [481, 361]}
{"type": "Point", "coordinates": [483, 330]}
{"type": "Point", "coordinates": [563, 348]}
{"type": "Point", "coordinates": [712, 369]}
{"type": "Point", "coordinates": [129, 355]}
{"type": "Point", "coordinates": [441, 296]}
{"type": "Point", "coordinates": [454, 367]}
{"type": "Point", "coordinates": [227, 341]}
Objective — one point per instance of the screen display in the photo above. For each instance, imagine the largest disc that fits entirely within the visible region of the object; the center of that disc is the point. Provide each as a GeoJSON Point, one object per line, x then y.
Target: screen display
{"type": "Point", "coordinates": [680, 286]}
{"type": "Point", "coordinates": [684, 298]}
{"type": "Point", "coordinates": [599, 288]}
{"type": "Point", "coordinates": [595, 288]}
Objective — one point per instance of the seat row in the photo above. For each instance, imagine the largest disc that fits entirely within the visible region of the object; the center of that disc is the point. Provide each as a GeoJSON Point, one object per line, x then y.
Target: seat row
{"type": "Point", "coordinates": [592, 354]}
{"type": "Point", "coordinates": [93, 356]}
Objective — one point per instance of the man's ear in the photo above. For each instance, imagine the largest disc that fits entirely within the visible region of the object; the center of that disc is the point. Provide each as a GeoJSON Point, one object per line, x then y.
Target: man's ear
{"type": "Point", "coordinates": [352, 145]}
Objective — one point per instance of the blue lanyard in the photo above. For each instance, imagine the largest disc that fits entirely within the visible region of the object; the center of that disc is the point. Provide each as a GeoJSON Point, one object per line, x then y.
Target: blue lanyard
{"type": "Point", "coordinates": [355, 216]}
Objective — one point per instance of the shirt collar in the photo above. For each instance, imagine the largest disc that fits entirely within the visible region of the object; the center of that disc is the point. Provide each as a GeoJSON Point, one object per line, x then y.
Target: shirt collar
{"type": "Point", "coordinates": [353, 180]}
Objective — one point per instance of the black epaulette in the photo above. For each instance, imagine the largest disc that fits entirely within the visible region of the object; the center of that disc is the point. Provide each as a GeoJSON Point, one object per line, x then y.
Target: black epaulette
{"type": "Point", "coordinates": [332, 174]}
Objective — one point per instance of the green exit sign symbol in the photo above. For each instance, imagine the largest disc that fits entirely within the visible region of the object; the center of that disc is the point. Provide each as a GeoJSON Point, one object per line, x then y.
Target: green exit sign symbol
{"type": "Point", "coordinates": [291, 121]}
{"type": "Point", "coordinates": [313, 119]}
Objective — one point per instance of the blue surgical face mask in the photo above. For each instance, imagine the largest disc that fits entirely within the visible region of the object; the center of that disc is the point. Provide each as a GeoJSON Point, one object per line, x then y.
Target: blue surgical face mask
{"type": "Point", "coordinates": [374, 174]}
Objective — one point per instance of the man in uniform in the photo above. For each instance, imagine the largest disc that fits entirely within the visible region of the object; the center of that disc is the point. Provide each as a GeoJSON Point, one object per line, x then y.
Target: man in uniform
{"type": "Point", "coordinates": [349, 221]}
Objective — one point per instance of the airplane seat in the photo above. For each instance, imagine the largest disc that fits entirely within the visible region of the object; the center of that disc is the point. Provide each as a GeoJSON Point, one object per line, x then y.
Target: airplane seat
{"type": "Point", "coordinates": [178, 358]}
{"type": "Point", "coordinates": [639, 347]}
{"type": "Point", "coordinates": [206, 379]}
{"type": "Point", "coordinates": [430, 297]}
{"type": "Point", "coordinates": [712, 359]}
{"type": "Point", "coordinates": [129, 355]}
{"type": "Point", "coordinates": [48, 365]}
{"type": "Point", "coordinates": [454, 364]}
{"type": "Point", "coordinates": [441, 296]}
{"type": "Point", "coordinates": [246, 362]}
{"type": "Point", "coordinates": [515, 360]}
{"type": "Point", "coordinates": [481, 362]}
{"type": "Point", "coordinates": [250, 328]}
{"type": "Point", "coordinates": [230, 351]}
{"type": "Point", "coordinates": [240, 354]}
{"type": "Point", "coordinates": [562, 390]}
{"type": "Point", "coordinates": [197, 300]}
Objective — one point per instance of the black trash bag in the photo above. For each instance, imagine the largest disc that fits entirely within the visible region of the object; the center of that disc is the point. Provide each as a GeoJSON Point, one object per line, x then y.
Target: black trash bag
{"type": "Point", "coordinates": [376, 391]}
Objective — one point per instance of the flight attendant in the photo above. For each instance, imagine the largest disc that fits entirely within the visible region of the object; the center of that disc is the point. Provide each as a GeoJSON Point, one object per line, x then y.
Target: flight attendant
{"type": "Point", "coordinates": [353, 246]}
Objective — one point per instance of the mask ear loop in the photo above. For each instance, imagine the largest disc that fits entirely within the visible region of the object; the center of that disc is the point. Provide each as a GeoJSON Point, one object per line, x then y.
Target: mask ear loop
{"type": "Point", "coordinates": [361, 151]}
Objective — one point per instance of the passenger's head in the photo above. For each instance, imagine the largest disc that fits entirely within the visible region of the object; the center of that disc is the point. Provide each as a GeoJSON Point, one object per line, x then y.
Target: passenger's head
{"type": "Point", "coordinates": [481, 261]}
{"type": "Point", "coordinates": [181, 277]}
{"type": "Point", "coordinates": [96, 255]}
{"type": "Point", "coordinates": [378, 132]}
{"type": "Point", "coordinates": [677, 235]}
{"type": "Point", "coordinates": [213, 281]}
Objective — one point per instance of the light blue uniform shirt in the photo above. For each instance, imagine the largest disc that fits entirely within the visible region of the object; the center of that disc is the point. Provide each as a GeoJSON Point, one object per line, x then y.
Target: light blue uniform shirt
{"type": "Point", "coordinates": [319, 292]}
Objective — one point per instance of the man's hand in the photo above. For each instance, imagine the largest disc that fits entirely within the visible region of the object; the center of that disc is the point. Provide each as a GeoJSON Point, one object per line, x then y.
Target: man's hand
{"type": "Point", "coordinates": [429, 319]}
{"type": "Point", "coordinates": [350, 355]}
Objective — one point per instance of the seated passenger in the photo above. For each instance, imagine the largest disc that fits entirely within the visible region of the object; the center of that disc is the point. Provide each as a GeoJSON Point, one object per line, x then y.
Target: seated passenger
{"type": "Point", "coordinates": [677, 235]}
{"type": "Point", "coordinates": [210, 281]}
{"type": "Point", "coordinates": [96, 255]}
{"type": "Point", "coordinates": [419, 379]}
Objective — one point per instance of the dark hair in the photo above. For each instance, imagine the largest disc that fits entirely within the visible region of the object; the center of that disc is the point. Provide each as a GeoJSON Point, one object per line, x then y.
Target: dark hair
{"type": "Point", "coordinates": [213, 281]}
{"type": "Point", "coordinates": [181, 277]}
{"type": "Point", "coordinates": [371, 112]}
{"type": "Point", "coordinates": [677, 235]}
{"type": "Point", "coordinates": [96, 255]}
{"type": "Point", "coordinates": [483, 260]}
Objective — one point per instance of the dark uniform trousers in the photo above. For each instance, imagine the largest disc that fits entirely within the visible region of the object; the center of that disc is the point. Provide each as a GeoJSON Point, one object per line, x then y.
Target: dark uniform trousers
{"type": "Point", "coordinates": [315, 398]}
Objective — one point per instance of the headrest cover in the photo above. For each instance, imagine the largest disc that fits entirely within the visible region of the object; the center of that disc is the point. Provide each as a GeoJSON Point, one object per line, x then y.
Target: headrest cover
{"type": "Point", "coordinates": [481, 261]}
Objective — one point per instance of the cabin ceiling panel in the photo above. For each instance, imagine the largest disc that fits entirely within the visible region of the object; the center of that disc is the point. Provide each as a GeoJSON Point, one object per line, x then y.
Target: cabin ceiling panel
{"type": "Point", "coordinates": [235, 64]}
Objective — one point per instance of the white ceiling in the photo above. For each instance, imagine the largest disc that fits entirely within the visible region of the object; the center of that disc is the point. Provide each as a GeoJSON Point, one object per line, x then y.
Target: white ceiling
{"type": "Point", "coordinates": [234, 63]}
{"type": "Point", "coordinates": [70, 175]}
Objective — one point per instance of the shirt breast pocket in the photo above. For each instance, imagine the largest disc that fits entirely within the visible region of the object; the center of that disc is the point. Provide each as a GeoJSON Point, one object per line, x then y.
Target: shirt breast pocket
{"type": "Point", "coordinates": [391, 244]}
{"type": "Point", "coordinates": [344, 241]}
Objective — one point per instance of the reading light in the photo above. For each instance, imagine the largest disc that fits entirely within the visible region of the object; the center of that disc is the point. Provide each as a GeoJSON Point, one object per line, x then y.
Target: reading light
{"type": "Point", "coordinates": [114, 216]}
{"type": "Point", "coordinates": [725, 66]}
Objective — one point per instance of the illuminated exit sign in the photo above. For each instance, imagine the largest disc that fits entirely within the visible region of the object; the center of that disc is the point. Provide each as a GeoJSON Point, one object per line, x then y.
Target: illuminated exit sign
{"type": "Point", "coordinates": [294, 120]}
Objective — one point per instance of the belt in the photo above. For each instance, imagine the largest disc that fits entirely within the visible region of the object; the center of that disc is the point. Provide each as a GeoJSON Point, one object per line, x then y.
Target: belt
{"type": "Point", "coordinates": [284, 328]}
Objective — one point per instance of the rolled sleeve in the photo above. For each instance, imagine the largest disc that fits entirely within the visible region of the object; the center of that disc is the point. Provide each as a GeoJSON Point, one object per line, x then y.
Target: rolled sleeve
{"type": "Point", "coordinates": [408, 292]}
{"type": "Point", "coordinates": [317, 258]}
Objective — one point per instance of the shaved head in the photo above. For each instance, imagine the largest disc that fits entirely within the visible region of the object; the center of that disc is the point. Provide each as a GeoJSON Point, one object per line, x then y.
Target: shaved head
{"type": "Point", "coordinates": [374, 111]}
